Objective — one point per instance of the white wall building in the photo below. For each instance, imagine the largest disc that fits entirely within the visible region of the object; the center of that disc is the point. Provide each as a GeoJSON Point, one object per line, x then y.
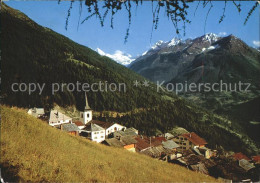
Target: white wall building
{"type": "Point", "coordinates": [58, 118]}
{"type": "Point", "coordinates": [113, 128]}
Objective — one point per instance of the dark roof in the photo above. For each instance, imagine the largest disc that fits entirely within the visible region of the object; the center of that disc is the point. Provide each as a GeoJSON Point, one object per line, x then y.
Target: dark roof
{"type": "Point", "coordinates": [103, 124]}
{"type": "Point", "coordinates": [114, 142]}
{"type": "Point", "coordinates": [169, 144]}
{"type": "Point", "coordinates": [78, 123]}
{"type": "Point", "coordinates": [69, 127]}
{"type": "Point", "coordinates": [141, 143]}
{"type": "Point", "coordinates": [127, 132]}
{"type": "Point", "coordinates": [145, 142]}
{"type": "Point", "coordinates": [239, 156]}
{"type": "Point", "coordinates": [194, 138]}
{"type": "Point", "coordinates": [93, 127]}
{"type": "Point", "coordinates": [126, 140]}
{"type": "Point", "coordinates": [256, 159]}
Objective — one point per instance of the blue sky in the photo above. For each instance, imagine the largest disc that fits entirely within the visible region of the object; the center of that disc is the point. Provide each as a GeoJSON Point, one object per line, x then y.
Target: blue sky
{"type": "Point", "coordinates": [53, 15]}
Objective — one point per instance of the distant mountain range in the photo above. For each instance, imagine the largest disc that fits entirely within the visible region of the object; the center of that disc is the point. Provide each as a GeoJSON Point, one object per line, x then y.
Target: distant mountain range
{"type": "Point", "coordinates": [175, 59]}
{"type": "Point", "coordinates": [209, 59]}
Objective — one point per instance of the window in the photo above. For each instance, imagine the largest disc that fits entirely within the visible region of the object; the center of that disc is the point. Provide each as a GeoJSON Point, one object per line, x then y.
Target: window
{"type": "Point", "coordinates": [88, 115]}
{"type": "Point", "coordinates": [81, 115]}
{"type": "Point", "coordinates": [115, 129]}
{"type": "Point", "coordinates": [102, 136]}
{"type": "Point", "coordinates": [95, 138]}
{"type": "Point", "coordinates": [102, 132]}
{"type": "Point", "coordinates": [184, 144]}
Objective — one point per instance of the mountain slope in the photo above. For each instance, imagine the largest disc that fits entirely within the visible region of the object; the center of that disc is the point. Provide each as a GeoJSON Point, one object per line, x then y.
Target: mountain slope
{"type": "Point", "coordinates": [33, 151]}
{"type": "Point", "coordinates": [33, 54]}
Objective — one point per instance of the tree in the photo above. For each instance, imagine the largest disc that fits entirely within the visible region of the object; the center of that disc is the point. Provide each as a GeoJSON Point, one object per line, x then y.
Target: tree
{"type": "Point", "coordinates": [176, 11]}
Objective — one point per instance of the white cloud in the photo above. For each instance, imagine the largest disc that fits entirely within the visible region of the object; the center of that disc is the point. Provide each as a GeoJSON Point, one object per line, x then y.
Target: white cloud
{"type": "Point", "coordinates": [222, 34]}
{"type": "Point", "coordinates": [119, 56]}
{"type": "Point", "coordinates": [256, 43]}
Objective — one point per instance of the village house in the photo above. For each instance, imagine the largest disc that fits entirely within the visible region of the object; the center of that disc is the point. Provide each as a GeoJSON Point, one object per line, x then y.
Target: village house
{"type": "Point", "coordinates": [58, 118]}
{"type": "Point", "coordinates": [127, 142]}
{"type": "Point", "coordinates": [36, 112]}
{"type": "Point", "coordinates": [189, 141]}
{"type": "Point", "coordinates": [79, 124]}
{"type": "Point", "coordinates": [70, 128]}
{"type": "Point", "coordinates": [93, 132]}
{"type": "Point", "coordinates": [256, 159]}
{"type": "Point", "coordinates": [126, 132]}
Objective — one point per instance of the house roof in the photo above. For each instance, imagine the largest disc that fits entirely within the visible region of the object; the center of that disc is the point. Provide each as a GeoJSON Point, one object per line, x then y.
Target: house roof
{"type": "Point", "coordinates": [154, 151]}
{"type": "Point", "coordinates": [69, 127]}
{"type": "Point", "coordinates": [127, 132]}
{"type": "Point", "coordinates": [169, 144]}
{"type": "Point", "coordinates": [168, 135]}
{"type": "Point", "coordinates": [141, 144]}
{"type": "Point", "coordinates": [256, 159]}
{"type": "Point", "coordinates": [239, 156]}
{"type": "Point", "coordinates": [93, 127]}
{"type": "Point", "coordinates": [114, 142]}
{"type": "Point", "coordinates": [126, 140]}
{"type": "Point", "coordinates": [78, 123]}
{"type": "Point", "coordinates": [194, 138]}
{"type": "Point", "coordinates": [56, 116]}
{"type": "Point", "coordinates": [102, 124]}
{"type": "Point", "coordinates": [246, 165]}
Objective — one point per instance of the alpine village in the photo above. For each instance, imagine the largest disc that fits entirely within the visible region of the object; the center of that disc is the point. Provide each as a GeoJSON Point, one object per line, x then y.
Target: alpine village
{"type": "Point", "coordinates": [141, 135]}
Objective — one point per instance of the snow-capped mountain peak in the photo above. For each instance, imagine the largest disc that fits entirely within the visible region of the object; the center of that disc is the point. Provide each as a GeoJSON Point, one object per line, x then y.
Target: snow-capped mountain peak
{"type": "Point", "coordinates": [174, 42]}
{"type": "Point", "coordinates": [211, 37]}
{"type": "Point", "coordinates": [119, 56]}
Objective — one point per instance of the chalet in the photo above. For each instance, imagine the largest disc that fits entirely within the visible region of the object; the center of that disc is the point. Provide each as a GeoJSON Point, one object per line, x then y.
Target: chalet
{"type": "Point", "coordinates": [240, 156]}
{"type": "Point", "coordinates": [127, 142]}
{"type": "Point", "coordinates": [126, 132]}
{"type": "Point", "coordinates": [171, 145]}
{"type": "Point", "coordinates": [189, 140]}
{"type": "Point", "coordinates": [204, 151]}
{"type": "Point", "coordinates": [57, 118]}
{"type": "Point", "coordinates": [146, 142]}
{"type": "Point", "coordinates": [36, 112]}
{"type": "Point", "coordinates": [256, 159]}
{"type": "Point", "coordinates": [93, 132]}
{"type": "Point", "coordinates": [70, 128]}
{"type": "Point", "coordinates": [168, 136]}
{"type": "Point", "coordinates": [246, 165]}
{"type": "Point", "coordinates": [79, 124]}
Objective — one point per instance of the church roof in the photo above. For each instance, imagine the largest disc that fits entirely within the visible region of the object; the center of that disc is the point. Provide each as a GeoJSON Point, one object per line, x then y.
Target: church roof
{"type": "Point", "coordinates": [87, 106]}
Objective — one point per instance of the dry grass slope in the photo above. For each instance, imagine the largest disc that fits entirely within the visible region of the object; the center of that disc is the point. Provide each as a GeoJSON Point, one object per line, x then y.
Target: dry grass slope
{"type": "Point", "coordinates": [42, 153]}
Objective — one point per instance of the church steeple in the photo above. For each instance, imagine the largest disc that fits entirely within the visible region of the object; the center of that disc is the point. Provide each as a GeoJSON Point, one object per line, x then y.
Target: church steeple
{"type": "Point", "coordinates": [86, 106]}
{"type": "Point", "coordinates": [86, 116]}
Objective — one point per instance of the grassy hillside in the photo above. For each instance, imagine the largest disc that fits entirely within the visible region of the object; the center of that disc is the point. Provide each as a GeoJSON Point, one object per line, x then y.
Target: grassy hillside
{"type": "Point", "coordinates": [33, 151]}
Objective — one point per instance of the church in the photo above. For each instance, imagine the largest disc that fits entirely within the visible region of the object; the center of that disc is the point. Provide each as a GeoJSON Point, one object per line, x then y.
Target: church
{"type": "Point", "coordinates": [96, 130]}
